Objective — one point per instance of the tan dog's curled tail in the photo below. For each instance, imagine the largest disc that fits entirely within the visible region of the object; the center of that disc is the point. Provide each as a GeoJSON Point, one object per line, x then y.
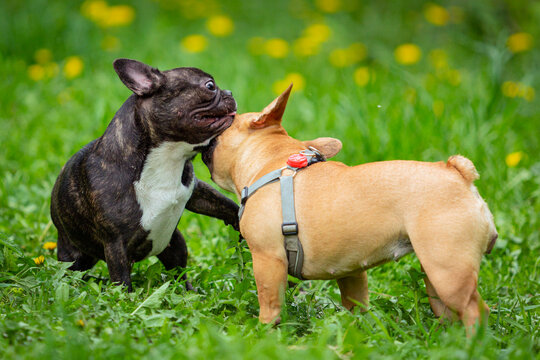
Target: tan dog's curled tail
{"type": "Point", "coordinates": [464, 166]}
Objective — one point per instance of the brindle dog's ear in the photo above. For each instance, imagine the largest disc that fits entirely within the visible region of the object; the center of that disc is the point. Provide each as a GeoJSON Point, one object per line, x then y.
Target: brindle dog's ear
{"type": "Point", "coordinates": [328, 146]}
{"type": "Point", "coordinates": [140, 78]}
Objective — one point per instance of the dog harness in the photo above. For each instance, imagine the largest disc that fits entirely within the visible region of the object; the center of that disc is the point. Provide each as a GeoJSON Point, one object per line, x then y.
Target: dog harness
{"type": "Point", "coordinates": [289, 226]}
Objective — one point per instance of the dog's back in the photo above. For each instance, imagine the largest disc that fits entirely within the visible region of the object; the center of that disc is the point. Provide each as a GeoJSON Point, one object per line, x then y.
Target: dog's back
{"type": "Point", "coordinates": [346, 213]}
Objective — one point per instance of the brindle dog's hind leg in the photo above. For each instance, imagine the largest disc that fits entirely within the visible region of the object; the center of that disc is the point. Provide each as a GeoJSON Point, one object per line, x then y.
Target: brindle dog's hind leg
{"type": "Point", "coordinates": [68, 252]}
{"type": "Point", "coordinates": [175, 255]}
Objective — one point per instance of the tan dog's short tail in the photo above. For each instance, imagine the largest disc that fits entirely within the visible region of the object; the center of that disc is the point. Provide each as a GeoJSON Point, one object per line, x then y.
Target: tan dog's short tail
{"type": "Point", "coordinates": [464, 166]}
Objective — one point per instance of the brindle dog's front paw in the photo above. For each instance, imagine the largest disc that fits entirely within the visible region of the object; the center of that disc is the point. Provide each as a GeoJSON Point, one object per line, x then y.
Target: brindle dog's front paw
{"type": "Point", "coordinates": [234, 223]}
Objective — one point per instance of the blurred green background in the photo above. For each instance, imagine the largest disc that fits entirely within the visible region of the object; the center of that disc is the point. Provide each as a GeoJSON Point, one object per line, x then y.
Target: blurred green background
{"type": "Point", "coordinates": [393, 80]}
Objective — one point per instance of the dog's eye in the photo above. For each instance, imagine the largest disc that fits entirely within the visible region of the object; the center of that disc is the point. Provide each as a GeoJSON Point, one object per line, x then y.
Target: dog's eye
{"type": "Point", "coordinates": [210, 85]}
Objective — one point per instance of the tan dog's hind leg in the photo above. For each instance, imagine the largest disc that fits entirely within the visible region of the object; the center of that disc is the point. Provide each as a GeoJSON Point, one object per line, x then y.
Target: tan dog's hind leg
{"type": "Point", "coordinates": [456, 290]}
{"type": "Point", "coordinates": [451, 265]}
{"type": "Point", "coordinates": [271, 278]}
{"type": "Point", "coordinates": [354, 288]}
{"type": "Point", "coordinates": [438, 307]}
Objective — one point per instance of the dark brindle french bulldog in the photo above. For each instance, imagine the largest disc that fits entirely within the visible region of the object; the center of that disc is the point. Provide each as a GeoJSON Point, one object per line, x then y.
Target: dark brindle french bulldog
{"type": "Point", "coordinates": [120, 197]}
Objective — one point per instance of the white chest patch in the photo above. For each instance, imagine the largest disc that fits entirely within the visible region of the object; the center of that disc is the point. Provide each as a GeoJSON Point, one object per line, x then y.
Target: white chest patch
{"type": "Point", "coordinates": [160, 192]}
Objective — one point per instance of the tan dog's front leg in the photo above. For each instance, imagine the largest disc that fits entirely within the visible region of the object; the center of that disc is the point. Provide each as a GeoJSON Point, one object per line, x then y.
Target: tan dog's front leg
{"type": "Point", "coordinates": [271, 277]}
{"type": "Point", "coordinates": [354, 288]}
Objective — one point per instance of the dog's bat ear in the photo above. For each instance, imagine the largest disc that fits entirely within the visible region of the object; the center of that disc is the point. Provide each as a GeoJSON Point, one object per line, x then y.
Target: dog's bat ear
{"type": "Point", "coordinates": [328, 146]}
{"type": "Point", "coordinates": [140, 78]}
{"type": "Point", "coordinates": [273, 113]}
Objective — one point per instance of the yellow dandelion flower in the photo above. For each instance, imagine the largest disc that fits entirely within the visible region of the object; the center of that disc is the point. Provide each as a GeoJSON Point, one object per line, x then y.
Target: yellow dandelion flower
{"type": "Point", "coordinates": [513, 89]}
{"type": "Point", "coordinates": [310, 42]}
{"type": "Point", "coordinates": [525, 91]}
{"type": "Point", "coordinates": [436, 14]}
{"type": "Point", "coordinates": [513, 159]}
{"type": "Point", "coordinates": [110, 43]}
{"type": "Point", "coordinates": [43, 56]}
{"type": "Point", "coordinates": [276, 48]}
{"type": "Point", "coordinates": [36, 72]}
{"type": "Point", "coordinates": [119, 15]}
{"type": "Point", "coordinates": [49, 245]}
{"type": "Point", "coordinates": [361, 76]}
{"type": "Point", "coordinates": [306, 46]}
{"type": "Point", "coordinates": [39, 260]}
{"type": "Point", "coordinates": [528, 93]}
{"type": "Point", "coordinates": [94, 9]}
{"type": "Point", "coordinates": [348, 56]}
{"type": "Point", "coordinates": [408, 54]}
{"type": "Point", "coordinates": [519, 42]}
{"type": "Point", "coordinates": [318, 32]}
{"type": "Point", "coordinates": [194, 43]}
{"type": "Point", "coordinates": [438, 108]}
{"type": "Point", "coordinates": [281, 85]}
{"type": "Point", "coordinates": [521, 90]}
{"type": "Point", "coordinates": [220, 25]}
{"type": "Point", "coordinates": [73, 67]}
{"type": "Point", "coordinates": [256, 45]}
{"type": "Point", "coordinates": [510, 89]}
{"type": "Point", "coordinates": [328, 6]}
{"type": "Point", "coordinates": [339, 58]}
{"type": "Point", "coordinates": [80, 323]}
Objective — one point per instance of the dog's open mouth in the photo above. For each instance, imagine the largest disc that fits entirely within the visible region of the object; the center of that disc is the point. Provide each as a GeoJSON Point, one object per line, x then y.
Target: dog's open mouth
{"type": "Point", "coordinates": [218, 123]}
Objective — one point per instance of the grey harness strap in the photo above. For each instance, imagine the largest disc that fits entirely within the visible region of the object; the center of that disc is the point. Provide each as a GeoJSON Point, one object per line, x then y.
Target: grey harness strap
{"type": "Point", "coordinates": [289, 227]}
{"type": "Point", "coordinates": [250, 190]}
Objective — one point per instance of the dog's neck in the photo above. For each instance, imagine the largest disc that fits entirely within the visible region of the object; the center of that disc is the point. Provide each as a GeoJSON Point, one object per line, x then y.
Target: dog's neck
{"type": "Point", "coordinates": [129, 133]}
{"type": "Point", "coordinates": [125, 134]}
{"type": "Point", "coordinates": [262, 153]}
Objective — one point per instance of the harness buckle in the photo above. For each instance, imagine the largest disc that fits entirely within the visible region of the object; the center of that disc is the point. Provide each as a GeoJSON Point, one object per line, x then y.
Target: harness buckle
{"type": "Point", "coordinates": [289, 228]}
{"type": "Point", "coordinates": [244, 195]}
{"type": "Point", "coordinates": [314, 155]}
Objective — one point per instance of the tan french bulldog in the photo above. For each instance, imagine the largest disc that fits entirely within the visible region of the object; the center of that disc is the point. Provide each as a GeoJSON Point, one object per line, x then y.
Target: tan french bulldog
{"type": "Point", "coordinates": [353, 218]}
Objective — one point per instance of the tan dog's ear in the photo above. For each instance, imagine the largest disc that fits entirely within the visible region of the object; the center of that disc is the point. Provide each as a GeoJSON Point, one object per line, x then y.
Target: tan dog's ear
{"type": "Point", "coordinates": [273, 113]}
{"type": "Point", "coordinates": [328, 146]}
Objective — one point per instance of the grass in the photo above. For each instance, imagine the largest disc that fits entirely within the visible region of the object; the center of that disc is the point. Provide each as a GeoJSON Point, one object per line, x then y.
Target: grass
{"type": "Point", "coordinates": [422, 111]}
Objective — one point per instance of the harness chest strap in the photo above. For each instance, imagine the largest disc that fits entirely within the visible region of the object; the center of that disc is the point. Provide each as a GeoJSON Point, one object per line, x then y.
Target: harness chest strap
{"type": "Point", "coordinates": [289, 227]}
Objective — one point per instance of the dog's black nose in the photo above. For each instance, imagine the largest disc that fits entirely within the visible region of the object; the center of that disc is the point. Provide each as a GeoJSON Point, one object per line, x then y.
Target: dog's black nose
{"type": "Point", "coordinates": [227, 92]}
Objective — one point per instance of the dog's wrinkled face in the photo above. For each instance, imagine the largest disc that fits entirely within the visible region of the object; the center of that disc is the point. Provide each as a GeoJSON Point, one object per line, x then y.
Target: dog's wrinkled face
{"type": "Point", "coordinates": [182, 104]}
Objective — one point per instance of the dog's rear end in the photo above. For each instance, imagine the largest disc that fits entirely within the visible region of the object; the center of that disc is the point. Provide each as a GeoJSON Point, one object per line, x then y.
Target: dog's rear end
{"type": "Point", "coordinates": [467, 169]}
{"type": "Point", "coordinates": [450, 241]}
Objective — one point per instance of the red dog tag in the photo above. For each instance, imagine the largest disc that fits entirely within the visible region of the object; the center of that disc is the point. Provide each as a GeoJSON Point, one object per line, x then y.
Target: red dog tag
{"type": "Point", "coordinates": [297, 161]}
